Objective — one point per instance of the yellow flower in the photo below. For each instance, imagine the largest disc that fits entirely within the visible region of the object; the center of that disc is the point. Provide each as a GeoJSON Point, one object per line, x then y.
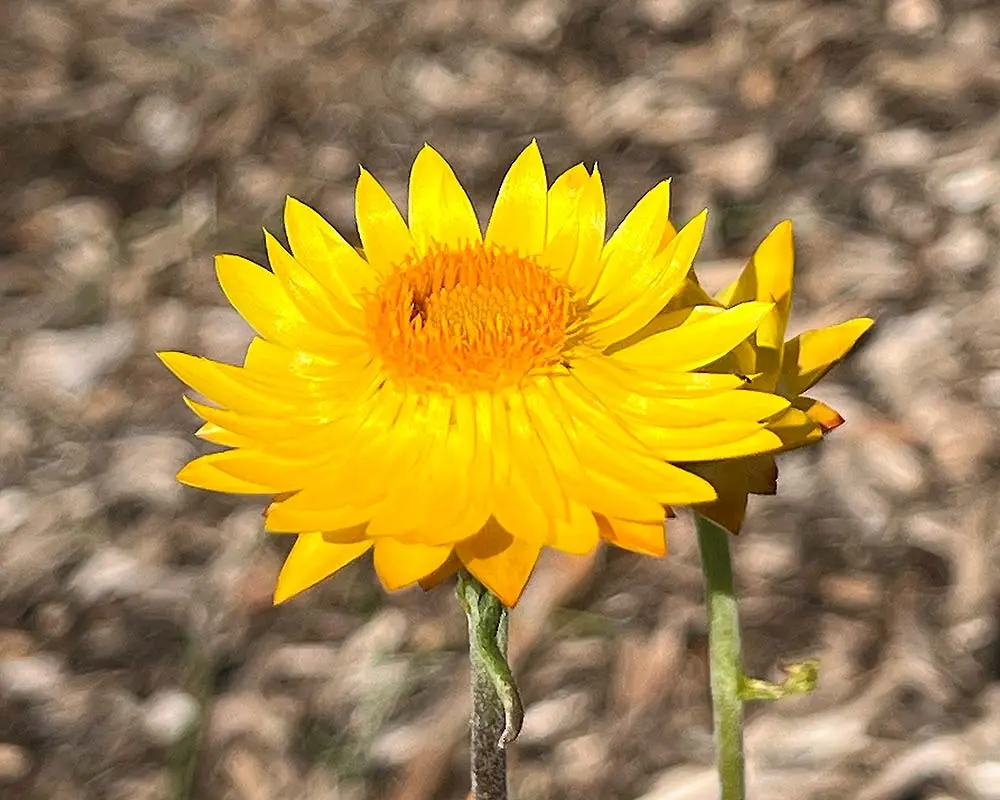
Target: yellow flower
{"type": "Point", "coordinates": [786, 368]}
{"type": "Point", "coordinates": [447, 398]}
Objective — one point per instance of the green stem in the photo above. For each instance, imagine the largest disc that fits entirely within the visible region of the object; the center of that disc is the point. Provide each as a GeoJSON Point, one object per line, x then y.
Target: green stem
{"type": "Point", "coordinates": [724, 656]}
{"type": "Point", "coordinates": [496, 705]}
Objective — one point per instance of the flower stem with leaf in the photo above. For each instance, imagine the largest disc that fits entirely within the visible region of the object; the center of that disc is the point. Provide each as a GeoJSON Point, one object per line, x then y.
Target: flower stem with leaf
{"type": "Point", "coordinates": [730, 687]}
{"type": "Point", "coordinates": [497, 713]}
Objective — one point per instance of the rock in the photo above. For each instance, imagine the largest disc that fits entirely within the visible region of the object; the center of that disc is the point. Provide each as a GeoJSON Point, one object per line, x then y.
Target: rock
{"type": "Point", "coordinates": [655, 112]}
{"type": "Point", "coordinates": [144, 467]}
{"type": "Point", "coordinates": [667, 15]}
{"type": "Point", "coordinates": [989, 388]}
{"type": "Point", "coordinates": [110, 572]}
{"type": "Point", "coordinates": [740, 166]}
{"type": "Point", "coordinates": [984, 780]}
{"type": "Point", "coordinates": [169, 715]}
{"type": "Point", "coordinates": [583, 760]}
{"type": "Point", "coordinates": [31, 562]}
{"type": "Point", "coordinates": [968, 190]}
{"type": "Point", "coordinates": [851, 111]}
{"type": "Point", "coordinates": [866, 267]}
{"type": "Point", "coordinates": [963, 248]}
{"type": "Point", "coordinates": [79, 232]}
{"type": "Point", "coordinates": [31, 678]}
{"type": "Point", "coordinates": [15, 764]}
{"type": "Point", "coordinates": [913, 16]}
{"type": "Point", "coordinates": [62, 365]}
{"type": "Point", "coordinates": [890, 463]}
{"type": "Point", "coordinates": [902, 148]}
{"type": "Point", "coordinates": [907, 352]}
{"type": "Point", "coordinates": [553, 717]}
{"type": "Point", "coordinates": [168, 130]}
{"type": "Point", "coordinates": [960, 435]}
{"type": "Point", "coordinates": [167, 326]}
{"type": "Point", "coordinates": [537, 23]}
{"type": "Point", "coordinates": [16, 507]}
{"type": "Point", "coordinates": [240, 714]}
{"type": "Point", "coordinates": [223, 335]}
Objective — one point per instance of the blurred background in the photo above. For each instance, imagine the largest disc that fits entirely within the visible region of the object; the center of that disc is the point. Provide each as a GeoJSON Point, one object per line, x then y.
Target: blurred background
{"type": "Point", "coordinates": [140, 658]}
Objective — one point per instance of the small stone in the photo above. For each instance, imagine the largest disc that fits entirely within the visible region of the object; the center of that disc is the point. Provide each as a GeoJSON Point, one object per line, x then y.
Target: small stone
{"type": "Point", "coordinates": [167, 325]}
{"type": "Point", "coordinates": [31, 678]}
{"type": "Point", "coordinates": [63, 364]}
{"type": "Point", "coordinates": [667, 15]}
{"type": "Point", "coordinates": [554, 716]}
{"type": "Point", "coordinates": [908, 351]}
{"type": "Point", "coordinates": [851, 111]}
{"type": "Point", "coordinates": [961, 436]}
{"type": "Point", "coordinates": [538, 23]}
{"type": "Point", "coordinates": [223, 335]}
{"type": "Point", "coordinates": [989, 388]}
{"type": "Point", "coordinates": [890, 463]}
{"type": "Point", "coordinates": [963, 248]}
{"type": "Point", "coordinates": [15, 764]}
{"type": "Point", "coordinates": [234, 715]}
{"type": "Point", "coordinates": [901, 148]}
{"type": "Point", "coordinates": [110, 572]}
{"type": "Point", "coordinates": [984, 780]}
{"type": "Point", "coordinates": [655, 112]}
{"type": "Point", "coordinates": [16, 507]}
{"type": "Point", "coordinates": [145, 467]}
{"type": "Point", "coordinates": [167, 129]}
{"type": "Point", "coordinates": [169, 716]}
{"type": "Point", "coordinates": [969, 190]}
{"type": "Point", "coordinates": [80, 231]}
{"type": "Point", "coordinates": [53, 620]}
{"type": "Point", "coordinates": [582, 760]}
{"type": "Point", "coordinates": [852, 593]}
{"type": "Point", "coordinates": [741, 166]}
{"type": "Point", "coordinates": [913, 16]}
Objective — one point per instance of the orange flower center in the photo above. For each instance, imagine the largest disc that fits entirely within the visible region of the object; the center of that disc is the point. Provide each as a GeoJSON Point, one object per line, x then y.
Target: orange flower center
{"type": "Point", "coordinates": [471, 318]}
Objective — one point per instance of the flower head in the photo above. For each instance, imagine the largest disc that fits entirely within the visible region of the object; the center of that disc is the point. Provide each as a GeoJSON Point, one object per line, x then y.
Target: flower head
{"type": "Point", "coordinates": [788, 368]}
{"type": "Point", "coordinates": [448, 398]}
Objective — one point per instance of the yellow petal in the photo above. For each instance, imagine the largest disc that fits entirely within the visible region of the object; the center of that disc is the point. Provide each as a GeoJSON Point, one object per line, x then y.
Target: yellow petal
{"type": "Point", "coordinates": [440, 211]}
{"type": "Point", "coordinates": [647, 538]}
{"type": "Point", "coordinates": [204, 473]}
{"type": "Point", "coordinates": [311, 560]}
{"type": "Point", "coordinates": [229, 386]}
{"type": "Point", "coordinates": [741, 404]}
{"type": "Point", "coordinates": [399, 564]}
{"type": "Point", "coordinates": [770, 274]}
{"type": "Point", "coordinates": [645, 290]}
{"type": "Point", "coordinates": [329, 258]}
{"type": "Point", "coordinates": [809, 356]}
{"type": "Point", "coordinates": [591, 218]}
{"type": "Point", "coordinates": [499, 561]}
{"type": "Point", "coordinates": [695, 344]}
{"type": "Point", "coordinates": [519, 214]}
{"type": "Point", "coordinates": [384, 236]}
{"type": "Point", "coordinates": [310, 297]}
{"type": "Point", "coordinates": [710, 443]}
{"type": "Point", "coordinates": [564, 197]}
{"type": "Point", "coordinates": [260, 299]}
{"type": "Point", "coordinates": [210, 432]}
{"type": "Point", "coordinates": [731, 481]}
{"type": "Point", "coordinates": [795, 428]}
{"type": "Point", "coordinates": [820, 413]}
{"type": "Point", "coordinates": [635, 241]}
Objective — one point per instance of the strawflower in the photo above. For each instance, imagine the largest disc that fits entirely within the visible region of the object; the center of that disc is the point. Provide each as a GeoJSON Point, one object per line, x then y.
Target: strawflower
{"type": "Point", "coordinates": [788, 368]}
{"type": "Point", "coordinates": [451, 399]}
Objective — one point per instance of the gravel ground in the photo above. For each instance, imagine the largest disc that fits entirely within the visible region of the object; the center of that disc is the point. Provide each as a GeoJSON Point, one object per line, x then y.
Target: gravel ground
{"type": "Point", "coordinates": [140, 658]}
